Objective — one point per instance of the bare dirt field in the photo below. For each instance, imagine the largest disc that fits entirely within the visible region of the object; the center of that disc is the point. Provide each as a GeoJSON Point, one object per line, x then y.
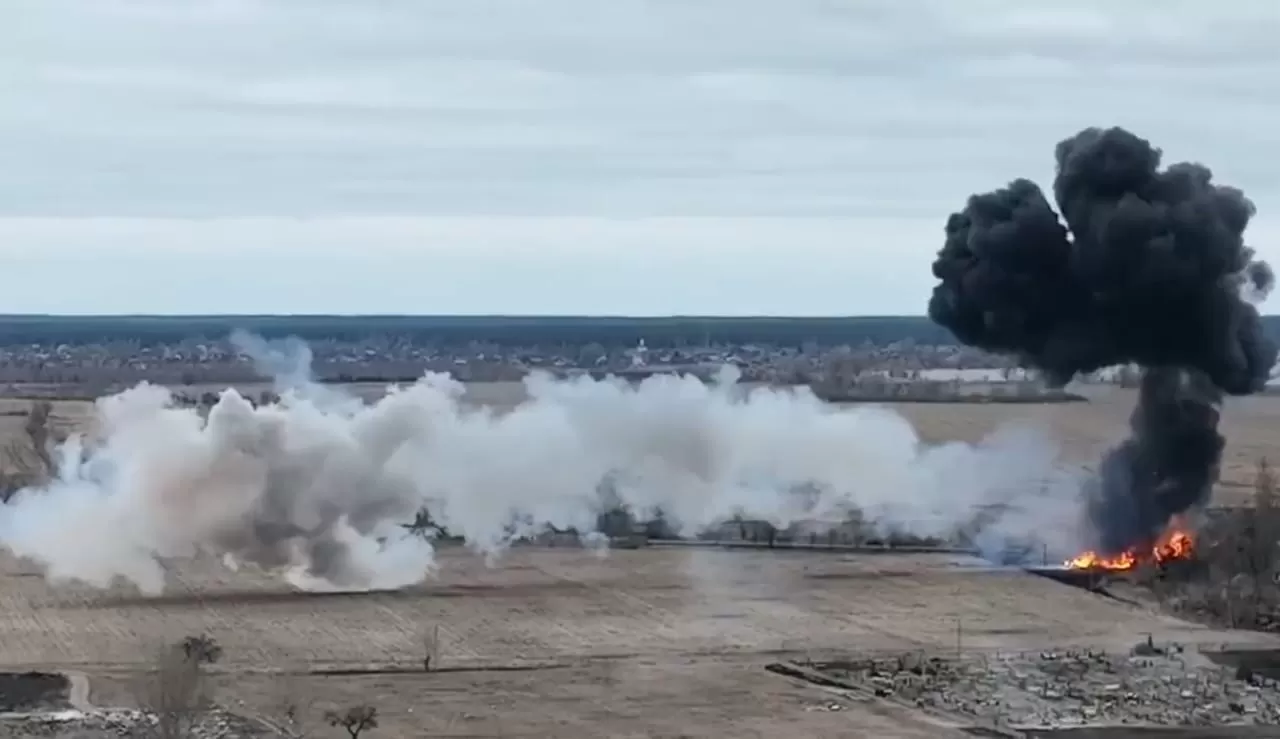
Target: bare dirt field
{"type": "Point", "coordinates": [560, 642]}
{"type": "Point", "coordinates": [654, 642]}
{"type": "Point", "coordinates": [555, 604]}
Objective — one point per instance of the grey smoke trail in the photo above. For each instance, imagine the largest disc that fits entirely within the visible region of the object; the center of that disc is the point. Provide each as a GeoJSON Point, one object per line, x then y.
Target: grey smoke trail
{"type": "Point", "coordinates": [316, 492]}
{"type": "Point", "coordinates": [288, 363]}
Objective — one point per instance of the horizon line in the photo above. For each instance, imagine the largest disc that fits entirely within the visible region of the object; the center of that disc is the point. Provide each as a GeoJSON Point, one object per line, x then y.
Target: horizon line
{"type": "Point", "coordinates": [482, 316]}
{"type": "Point", "coordinates": [509, 316]}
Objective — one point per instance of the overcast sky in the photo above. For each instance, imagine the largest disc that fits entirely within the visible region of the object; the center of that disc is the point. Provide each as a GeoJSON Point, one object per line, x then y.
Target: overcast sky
{"type": "Point", "coordinates": [575, 156]}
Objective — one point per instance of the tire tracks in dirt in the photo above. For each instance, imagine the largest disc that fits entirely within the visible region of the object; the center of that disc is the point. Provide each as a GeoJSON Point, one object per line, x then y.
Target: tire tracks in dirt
{"type": "Point", "coordinates": [79, 691]}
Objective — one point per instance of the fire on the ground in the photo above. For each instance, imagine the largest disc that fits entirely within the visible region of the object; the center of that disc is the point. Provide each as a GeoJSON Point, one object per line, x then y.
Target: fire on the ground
{"type": "Point", "coordinates": [1177, 542]}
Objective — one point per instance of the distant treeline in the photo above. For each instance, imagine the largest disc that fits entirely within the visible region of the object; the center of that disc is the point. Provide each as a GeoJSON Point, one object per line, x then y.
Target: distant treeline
{"type": "Point", "coordinates": [505, 330]}
{"type": "Point", "coordinates": [454, 330]}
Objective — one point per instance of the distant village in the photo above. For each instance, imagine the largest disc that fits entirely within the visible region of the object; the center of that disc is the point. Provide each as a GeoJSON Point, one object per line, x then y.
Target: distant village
{"type": "Point", "coordinates": [903, 369]}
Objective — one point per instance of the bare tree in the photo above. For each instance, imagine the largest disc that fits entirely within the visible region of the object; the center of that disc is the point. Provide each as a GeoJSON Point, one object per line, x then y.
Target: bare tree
{"type": "Point", "coordinates": [1244, 555]}
{"type": "Point", "coordinates": [1234, 576]}
{"type": "Point", "coordinates": [1264, 532]}
{"type": "Point", "coordinates": [354, 720]}
{"type": "Point", "coordinates": [174, 693]}
{"type": "Point", "coordinates": [202, 649]}
{"type": "Point", "coordinates": [1264, 487]}
{"type": "Point", "coordinates": [40, 433]}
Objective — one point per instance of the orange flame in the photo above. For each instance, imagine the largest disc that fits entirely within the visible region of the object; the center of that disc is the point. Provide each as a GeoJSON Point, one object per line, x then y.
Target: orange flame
{"type": "Point", "coordinates": [1175, 543]}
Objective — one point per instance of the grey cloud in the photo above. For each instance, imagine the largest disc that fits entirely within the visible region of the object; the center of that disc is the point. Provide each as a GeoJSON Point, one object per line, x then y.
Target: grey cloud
{"type": "Point", "coordinates": [716, 107]}
{"type": "Point", "coordinates": [854, 126]}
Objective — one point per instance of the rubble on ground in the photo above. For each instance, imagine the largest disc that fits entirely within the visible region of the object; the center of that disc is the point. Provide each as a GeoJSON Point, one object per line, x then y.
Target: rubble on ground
{"type": "Point", "coordinates": [1152, 685]}
{"type": "Point", "coordinates": [214, 724]}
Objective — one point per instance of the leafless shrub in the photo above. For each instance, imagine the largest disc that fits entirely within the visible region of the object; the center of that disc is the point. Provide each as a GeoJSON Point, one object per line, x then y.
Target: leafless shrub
{"type": "Point", "coordinates": [39, 430]}
{"type": "Point", "coordinates": [354, 720]}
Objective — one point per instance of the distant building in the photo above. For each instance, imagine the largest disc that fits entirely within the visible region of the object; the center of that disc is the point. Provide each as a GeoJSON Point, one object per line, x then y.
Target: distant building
{"type": "Point", "coordinates": [639, 355]}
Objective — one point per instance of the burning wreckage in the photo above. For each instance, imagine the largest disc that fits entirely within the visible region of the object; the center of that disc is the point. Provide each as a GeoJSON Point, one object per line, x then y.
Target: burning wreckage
{"type": "Point", "coordinates": [1148, 266]}
{"type": "Point", "coordinates": [1176, 543]}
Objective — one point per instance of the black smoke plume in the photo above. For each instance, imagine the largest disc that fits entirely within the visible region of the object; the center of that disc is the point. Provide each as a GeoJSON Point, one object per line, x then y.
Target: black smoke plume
{"type": "Point", "coordinates": [1150, 267]}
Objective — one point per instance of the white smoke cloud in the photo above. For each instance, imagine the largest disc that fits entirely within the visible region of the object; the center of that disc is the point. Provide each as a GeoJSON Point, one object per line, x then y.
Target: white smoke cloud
{"type": "Point", "coordinates": [316, 487]}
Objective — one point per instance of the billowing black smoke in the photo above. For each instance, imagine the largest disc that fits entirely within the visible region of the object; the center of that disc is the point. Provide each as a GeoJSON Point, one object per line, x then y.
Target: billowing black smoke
{"type": "Point", "coordinates": [1150, 267]}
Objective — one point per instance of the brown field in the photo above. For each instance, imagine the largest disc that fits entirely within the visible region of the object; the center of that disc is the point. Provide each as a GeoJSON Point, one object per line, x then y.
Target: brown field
{"type": "Point", "coordinates": [646, 643]}
{"type": "Point", "coordinates": [559, 642]}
